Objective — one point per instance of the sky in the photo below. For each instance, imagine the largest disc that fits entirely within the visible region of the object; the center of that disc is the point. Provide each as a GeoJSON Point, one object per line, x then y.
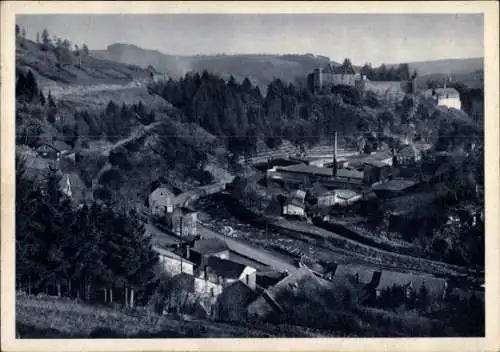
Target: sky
{"type": "Point", "coordinates": [374, 38]}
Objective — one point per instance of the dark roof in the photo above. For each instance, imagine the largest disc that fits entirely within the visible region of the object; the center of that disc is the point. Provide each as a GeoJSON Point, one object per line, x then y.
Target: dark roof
{"type": "Point", "coordinates": [56, 145]}
{"type": "Point", "coordinates": [408, 151]}
{"type": "Point", "coordinates": [338, 69]}
{"type": "Point", "coordinates": [349, 173]}
{"type": "Point", "coordinates": [365, 274]}
{"type": "Point", "coordinates": [451, 92]}
{"type": "Point", "coordinates": [225, 267]}
{"type": "Point", "coordinates": [395, 185]}
{"type": "Point", "coordinates": [317, 190]}
{"type": "Point", "coordinates": [210, 246]}
{"type": "Point", "coordinates": [307, 169]}
{"type": "Point", "coordinates": [434, 285]}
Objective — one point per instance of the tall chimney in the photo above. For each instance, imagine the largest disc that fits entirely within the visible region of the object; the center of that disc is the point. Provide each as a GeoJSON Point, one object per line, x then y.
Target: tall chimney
{"type": "Point", "coordinates": [335, 153]}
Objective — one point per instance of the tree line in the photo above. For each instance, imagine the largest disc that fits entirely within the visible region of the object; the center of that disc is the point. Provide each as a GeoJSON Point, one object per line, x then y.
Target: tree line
{"type": "Point", "coordinates": [65, 51]}
{"type": "Point", "coordinates": [241, 116]}
{"type": "Point", "coordinates": [388, 72]}
{"type": "Point", "coordinates": [90, 252]}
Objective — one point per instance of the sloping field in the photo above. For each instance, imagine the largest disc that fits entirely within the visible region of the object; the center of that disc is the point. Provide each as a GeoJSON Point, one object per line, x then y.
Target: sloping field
{"type": "Point", "coordinates": [51, 317]}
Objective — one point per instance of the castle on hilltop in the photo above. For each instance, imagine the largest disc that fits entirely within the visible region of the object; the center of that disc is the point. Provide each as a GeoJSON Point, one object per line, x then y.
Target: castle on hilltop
{"type": "Point", "coordinates": [331, 75]}
{"type": "Point", "coordinates": [348, 75]}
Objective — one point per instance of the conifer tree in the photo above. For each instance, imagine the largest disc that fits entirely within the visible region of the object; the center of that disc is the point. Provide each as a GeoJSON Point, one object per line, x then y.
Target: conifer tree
{"type": "Point", "coordinates": [31, 86]}
{"type": "Point", "coordinates": [21, 86]}
{"type": "Point", "coordinates": [42, 99]}
{"type": "Point", "coordinates": [45, 39]}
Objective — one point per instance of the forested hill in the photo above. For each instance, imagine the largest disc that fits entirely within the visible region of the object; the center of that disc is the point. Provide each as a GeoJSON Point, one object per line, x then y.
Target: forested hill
{"type": "Point", "coordinates": [59, 63]}
{"type": "Point", "coordinates": [261, 69]}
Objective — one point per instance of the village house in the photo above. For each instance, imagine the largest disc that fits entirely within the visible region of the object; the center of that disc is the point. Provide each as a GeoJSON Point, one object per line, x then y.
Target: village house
{"type": "Point", "coordinates": [52, 150]}
{"type": "Point", "coordinates": [205, 248]}
{"type": "Point", "coordinates": [184, 222]}
{"type": "Point", "coordinates": [395, 188]}
{"type": "Point", "coordinates": [173, 263]}
{"type": "Point", "coordinates": [448, 97]}
{"type": "Point", "coordinates": [161, 201]}
{"type": "Point", "coordinates": [225, 272]}
{"type": "Point", "coordinates": [295, 204]}
{"type": "Point", "coordinates": [191, 290]}
{"type": "Point", "coordinates": [436, 288]}
{"type": "Point", "coordinates": [408, 155]}
{"type": "Point", "coordinates": [330, 198]}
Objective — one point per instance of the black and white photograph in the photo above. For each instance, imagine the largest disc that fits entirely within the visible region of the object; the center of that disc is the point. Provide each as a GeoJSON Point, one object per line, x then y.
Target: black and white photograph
{"type": "Point", "coordinates": [249, 175]}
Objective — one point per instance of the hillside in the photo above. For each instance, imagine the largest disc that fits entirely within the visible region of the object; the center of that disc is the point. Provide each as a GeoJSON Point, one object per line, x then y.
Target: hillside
{"type": "Point", "coordinates": [260, 69]}
{"type": "Point", "coordinates": [100, 108]}
{"type": "Point", "coordinates": [50, 317]}
{"type": "Point", "coordinates": [449, 66]}
{"type": "Point", "coordinates": [52, 72]}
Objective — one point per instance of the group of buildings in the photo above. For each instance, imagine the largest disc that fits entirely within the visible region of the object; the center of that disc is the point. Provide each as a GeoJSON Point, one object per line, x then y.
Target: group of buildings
{"type": "Point", "coordinates": [344, 182]}
{"type": "Point", "coordinates": [336, 75]}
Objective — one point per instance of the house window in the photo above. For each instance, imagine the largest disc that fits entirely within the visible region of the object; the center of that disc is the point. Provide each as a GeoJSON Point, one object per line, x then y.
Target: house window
{"type": "Point", "coordinates": [212, 291]}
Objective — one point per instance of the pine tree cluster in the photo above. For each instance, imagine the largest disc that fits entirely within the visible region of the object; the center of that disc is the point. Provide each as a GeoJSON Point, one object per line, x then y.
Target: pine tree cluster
{"type": "Point", "coordinates": [83, 252]}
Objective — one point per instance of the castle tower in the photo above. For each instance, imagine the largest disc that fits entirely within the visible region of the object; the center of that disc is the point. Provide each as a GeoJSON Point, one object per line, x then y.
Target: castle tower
{"type": "Point", "coordinates": [317, 79]}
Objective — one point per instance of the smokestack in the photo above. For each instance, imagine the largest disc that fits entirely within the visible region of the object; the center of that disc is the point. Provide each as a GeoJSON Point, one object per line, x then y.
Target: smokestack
{"type": "Point", "coordinates": [335, 153]}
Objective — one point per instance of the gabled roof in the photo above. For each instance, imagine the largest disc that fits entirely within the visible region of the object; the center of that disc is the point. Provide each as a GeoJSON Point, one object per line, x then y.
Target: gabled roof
{"type": "Point", "coordinates": [225, 268]}
{"type": "Point", "coordinates": [447, 92]}
{"type": "Point", "coordinates": [434, 285]}
{"type": "Point", "coordinates": [364, 274]}
{"type": "Point", "coordinates": [328, 68]}
{"type": "Point", "coordinates": [395, 185]}
{"type": "Point", "coordinates": [56, 145]}
{"type": "Point", "coordinates": [210, 246]}
{"type": "Point", "coordinates": [164, 188]}
{"type": "Point", "coordinates": [169, 254]}
{"type": "Point", "coordinates": [346, 193]}
{"type": "Point", "coordinates": [408, 151]}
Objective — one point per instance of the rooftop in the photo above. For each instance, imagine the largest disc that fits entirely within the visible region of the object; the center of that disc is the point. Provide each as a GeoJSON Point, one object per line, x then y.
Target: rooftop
{"type": "Point", "coordinates": [395, 185]}
{"type": "Point", "coordinates": [365, 275]}
{"type": "Point", "coordinates": [169, 254]}
{"type": "Point", "coordinates": [340, 69]}
{"type": "Point", "coordinates": [307, 169]}
{"type": "Point", "coordinates": [389, 278]}
{"type": "Point", "coordinates": [447, 92]}
{"type": "Point", "coordinates": [350, 173]}
{"type": "Point", "coordinates": [210, 246]}
{"type": "Point", "coordinates": [56, 145]}
{"type": "Point", "coordinates": [346, 193]}
{"type": "Point", "coordinates": [225, 267]}
{"type": "Point", "coordinates": [408, 150]}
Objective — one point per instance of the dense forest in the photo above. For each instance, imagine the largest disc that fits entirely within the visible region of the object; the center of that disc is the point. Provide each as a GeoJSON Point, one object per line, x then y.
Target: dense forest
{"type": "Point", "coordinates": [238, 112]}
{"type": "Point", "coordinates": [81, 252]}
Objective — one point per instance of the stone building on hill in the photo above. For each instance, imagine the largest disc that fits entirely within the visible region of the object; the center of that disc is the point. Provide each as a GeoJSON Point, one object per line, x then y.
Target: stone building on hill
{"type": "Point", "coordinates": [331, 75]}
